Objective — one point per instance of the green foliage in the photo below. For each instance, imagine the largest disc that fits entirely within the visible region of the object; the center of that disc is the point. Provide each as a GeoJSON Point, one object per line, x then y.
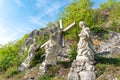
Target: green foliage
{"type": "Point", "coordinates": [103, 63]}
{"type": "Point", "coordinates": [109, 4]}
{"type": "Point", "coordinates": [37, 58]}
{"type": "Point", "coordinates": [9, 56]}
{"type": "Point", "coordinates": [113, 27]}
{"type": "Point", "coordinates": [100, 68]}
{"type": "Point", "coordinates": [49, 24]}
{"type": "Point", "coordinates": [110, 60]}
{"type": "Point", "coordinates": [107, 66]}
{"type": "Point", "coordinates": [73, 53]}
{"type": "Point", "coordinates": [118, 77]}
{"type": "Point", "coordinates": [46, 78]}
{"type": "Point", "coordinates": [43, 39]}
{"type": "Point", "coordinates": [115, 13]}
{"type": "Point", "coordinates": [12, 71]}
{"type": "Point", "coordinates": [52, 70]}
{"type": "Point", "coordinates": [78, 10]}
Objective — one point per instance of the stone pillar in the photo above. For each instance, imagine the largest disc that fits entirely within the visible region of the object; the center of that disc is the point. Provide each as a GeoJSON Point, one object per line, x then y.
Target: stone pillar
{"type": "Point", "coordinates": [82, 67]}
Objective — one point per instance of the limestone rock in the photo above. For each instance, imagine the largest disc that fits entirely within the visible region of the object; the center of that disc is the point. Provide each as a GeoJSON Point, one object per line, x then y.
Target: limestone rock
{"type": "Point", "coordinates": [38, 35]}
{"type": "Point", "coordinates": [73, 76]}
{"type": "Point", "coordinates": [87, 75]}
{"type": "Point", "coordinates": [110, 46]}
{"type": "Point", "coordinates": [82, 58]}
{"type": "Point", "coordinates": [89, 67]}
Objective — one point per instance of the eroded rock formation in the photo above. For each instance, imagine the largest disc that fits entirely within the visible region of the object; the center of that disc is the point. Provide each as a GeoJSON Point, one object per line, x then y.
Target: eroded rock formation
{"type": "Point", "coordinates": [110, 46]}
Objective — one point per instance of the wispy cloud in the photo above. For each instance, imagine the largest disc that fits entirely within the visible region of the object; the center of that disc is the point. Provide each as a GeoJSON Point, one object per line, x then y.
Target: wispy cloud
{"type": "Point", "coordinates": [7, 36]}
{"type": "Point", "coordinates": [49, 10]}
{"type": "Point", "coordinates": [45, 11]}
{"type": "Point", "coordinates": [36, 21]}
{"type": "Point", "coordinates": [41, 3]}
{"type": "Point", "coordinates": [19, 3]}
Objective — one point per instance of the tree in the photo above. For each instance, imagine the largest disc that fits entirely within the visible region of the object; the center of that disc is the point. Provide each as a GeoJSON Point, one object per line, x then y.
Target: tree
{"type": "Point", "coordinates": [78, 10]}
{"type": "Point", "coordinates": [109, 4]}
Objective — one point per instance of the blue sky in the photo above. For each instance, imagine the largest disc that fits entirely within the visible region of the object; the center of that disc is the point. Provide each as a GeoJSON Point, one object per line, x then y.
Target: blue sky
{"type": "Point", "coordinates": [18, 17]}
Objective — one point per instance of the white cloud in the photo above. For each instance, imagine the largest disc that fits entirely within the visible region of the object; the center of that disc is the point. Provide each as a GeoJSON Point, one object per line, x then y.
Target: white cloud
{"type": "Point", "coordinates": [37, 21]}
{"type": "Point", "coordinates": [41, 3]}
{"type": "Point", "coordinates": [49, 10]}
{"type": "Point", "coordinates": [7, 36]}
{"type": "Point", "coordinates": [19, 3]}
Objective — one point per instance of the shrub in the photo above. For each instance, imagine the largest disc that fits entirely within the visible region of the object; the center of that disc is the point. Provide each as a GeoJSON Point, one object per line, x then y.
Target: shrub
{"type": "Point", "coordinates": [11, 71]}
{"type": "Point", "coordinates": [9, 56]}
{"type": "Point", "coordinates": [114, 27]}
{"type": "Point", "coordinates": [73, 53]}
{"type": "Point", "coordinates": [100, 68]}
{"type": "Point", "coordinates": [37, 58]}
{"type": "Point", "coordinates": [46, 78]}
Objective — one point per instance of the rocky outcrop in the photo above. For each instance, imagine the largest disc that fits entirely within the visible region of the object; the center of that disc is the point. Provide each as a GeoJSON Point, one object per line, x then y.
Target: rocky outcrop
{"type": "Point", "coordinates": [31, 44]}
{"type": "Point", "coordinates": [110, 46]}
{"type": "Point", "coordinates": [37, 34]}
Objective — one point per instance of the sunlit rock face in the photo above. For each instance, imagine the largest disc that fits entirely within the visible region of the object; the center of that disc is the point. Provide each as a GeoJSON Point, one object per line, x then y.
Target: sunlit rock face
{"type": "Point", "coordinates": [37, 34]}
{"type": "Point", "coordinates": [30, 45]}
{"type": "Point", "coordinates": [52, 50]}
{"type": "Point", "coordinates": [82, 67]}
{"type": "Point", "coordinates": [111, 46]}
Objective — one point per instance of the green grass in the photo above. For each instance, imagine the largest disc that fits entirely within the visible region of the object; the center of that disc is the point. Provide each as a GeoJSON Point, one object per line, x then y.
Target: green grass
{"type": "Point", "coordinates": [11, 71]}
{"type": "Point", "coordinates": [107, 66]}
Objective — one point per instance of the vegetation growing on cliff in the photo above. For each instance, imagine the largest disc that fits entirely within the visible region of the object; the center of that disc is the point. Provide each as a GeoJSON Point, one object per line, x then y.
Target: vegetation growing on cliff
{"type": "Point", "coordinates": [105, 18]}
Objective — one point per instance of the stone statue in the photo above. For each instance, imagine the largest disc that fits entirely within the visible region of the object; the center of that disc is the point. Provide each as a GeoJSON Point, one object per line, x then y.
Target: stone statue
{"type": "Point", "coordinates": [85, 45]}
{"type": "Point", "coordinates": [53, 46]}
{"type": "Point", "coordinates": [30, 57]}
{"type": "Point", "coordinates": [83, 67]}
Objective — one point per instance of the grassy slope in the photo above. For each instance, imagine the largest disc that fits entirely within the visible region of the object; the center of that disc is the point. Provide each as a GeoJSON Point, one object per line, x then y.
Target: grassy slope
{"type": "Point", "coordinates": [104, 67]}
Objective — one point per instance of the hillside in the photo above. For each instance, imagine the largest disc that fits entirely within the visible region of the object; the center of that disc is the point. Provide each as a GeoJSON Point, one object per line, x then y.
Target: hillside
{"type": "Point", "coordinates": [104, 23]}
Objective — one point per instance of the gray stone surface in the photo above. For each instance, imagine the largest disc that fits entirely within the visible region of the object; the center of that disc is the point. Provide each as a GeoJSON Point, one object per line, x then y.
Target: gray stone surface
{"type": "Point", "coordinates": [87, 75]}
{"type": "Point", "coordinates": [83, 67]}
{"type": "Point", "coordinates": [30, 57]}
{"type": "Point", "coordinates": [73, 76]}
{"type": "Point", "coordinates": [38, 35]}
{"type": "Point", "coordinates": [54, 45]}
{"type": "Point", "coordinates": [30, 46]}
{"type": "Point", "coordinates": [110, 46]}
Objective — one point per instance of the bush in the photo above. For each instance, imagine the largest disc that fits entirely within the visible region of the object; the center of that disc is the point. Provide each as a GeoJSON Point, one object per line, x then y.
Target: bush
{"type": "Point", "coordinates": [114, 27]}
{"type": "Point", "coordinates": [11, 71]}
{"type": "Point", "coordinates": [100, 68]}
{"type": "Point", "coordinates": [37, 58]}
{"type": "Point", "coordinates": [46, 78]}
{"type": "Point", "coordinates": [9, 56]}
{"type": "Point", "coordinates": [73, 53]}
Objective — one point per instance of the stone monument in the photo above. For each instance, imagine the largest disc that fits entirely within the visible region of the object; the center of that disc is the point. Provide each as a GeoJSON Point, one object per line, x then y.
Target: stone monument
{"type": "Point", "coordinates": [82, 67]}
{"type": "Point", "coordinates": [52, 47]}
{"type": "Point", "coordinates": [30, 57]}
